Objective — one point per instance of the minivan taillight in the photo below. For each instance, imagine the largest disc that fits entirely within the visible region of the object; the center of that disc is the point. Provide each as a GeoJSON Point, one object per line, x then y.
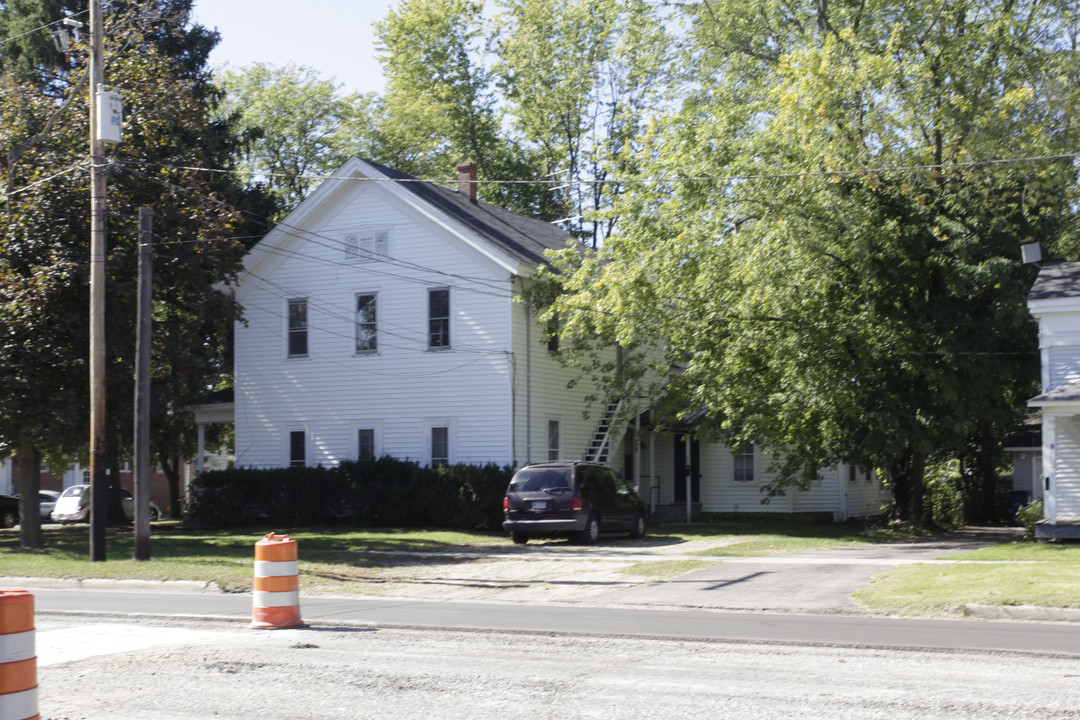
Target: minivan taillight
{"type": "Point", "coordinates": [506, 504]}
{"type": "Point", "coordinates": [576, 504]}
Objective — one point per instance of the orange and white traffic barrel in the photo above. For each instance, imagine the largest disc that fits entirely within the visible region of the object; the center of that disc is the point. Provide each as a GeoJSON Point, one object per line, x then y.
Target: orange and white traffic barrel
{"type": "Point", "coordinates": [18, 663]}
{"type": "Point", "coordinates": [276, 595]}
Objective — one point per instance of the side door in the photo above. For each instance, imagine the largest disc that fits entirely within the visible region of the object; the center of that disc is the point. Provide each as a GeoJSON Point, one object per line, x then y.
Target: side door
{"type": "Point", "coordinates": [626, 505]}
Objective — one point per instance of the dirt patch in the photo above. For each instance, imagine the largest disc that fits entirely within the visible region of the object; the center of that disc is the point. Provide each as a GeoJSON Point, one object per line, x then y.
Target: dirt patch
{"type": "Point", "coordinates": [554, 571]}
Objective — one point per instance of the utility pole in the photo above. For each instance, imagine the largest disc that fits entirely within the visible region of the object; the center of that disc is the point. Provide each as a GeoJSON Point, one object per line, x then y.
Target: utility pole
{"type": "Point", "coordinates": [98, 487]}
{"type": "Point", "coordinates": [142, 388]}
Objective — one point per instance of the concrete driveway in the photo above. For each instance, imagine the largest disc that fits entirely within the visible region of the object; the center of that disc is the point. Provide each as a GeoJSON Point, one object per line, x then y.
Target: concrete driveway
{"type": "Point", "coordinates": [816, 582]}
{"type": "Point", "coordinates": [614, 573]}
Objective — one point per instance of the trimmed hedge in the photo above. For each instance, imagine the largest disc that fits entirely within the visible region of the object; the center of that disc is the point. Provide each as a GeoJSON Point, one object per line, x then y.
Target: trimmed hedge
{"type": "Point", "coordinates": [369, 493]}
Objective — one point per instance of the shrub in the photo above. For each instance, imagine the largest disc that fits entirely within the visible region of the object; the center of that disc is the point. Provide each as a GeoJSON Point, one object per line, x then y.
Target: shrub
{"type": "Point", "coordinates": [371, 493]}
{"type": "Point", "coordinates": [1028, 515]}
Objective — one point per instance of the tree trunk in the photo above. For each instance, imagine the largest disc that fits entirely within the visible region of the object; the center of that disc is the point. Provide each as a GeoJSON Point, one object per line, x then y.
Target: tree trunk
{"type": "Point", "coordinates": [115, 507]}
{"type": "Point", "coordinates": [28, 467]}
{"type": "Point", "coordinates": [171, 468]}
{"type": "Point", "coordinates": [979, 481]}
{"type": "Point", "coordinates": [906, 476]}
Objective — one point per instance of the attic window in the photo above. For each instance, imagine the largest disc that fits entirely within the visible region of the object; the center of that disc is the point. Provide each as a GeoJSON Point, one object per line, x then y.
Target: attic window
{"type": "Point", "coordinates": [367, 246]}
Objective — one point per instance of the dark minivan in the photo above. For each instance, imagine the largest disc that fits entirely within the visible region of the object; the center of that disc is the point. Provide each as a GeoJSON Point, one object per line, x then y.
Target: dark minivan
{"type": "Point", "coordinates": [570, 498]}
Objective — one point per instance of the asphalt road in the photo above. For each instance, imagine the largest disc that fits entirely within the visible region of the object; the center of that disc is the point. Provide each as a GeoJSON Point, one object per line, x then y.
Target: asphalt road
{"type": "Point", "coordinates": [94, 668]}
{"type": "Point", "coordinates": [1062, 639]}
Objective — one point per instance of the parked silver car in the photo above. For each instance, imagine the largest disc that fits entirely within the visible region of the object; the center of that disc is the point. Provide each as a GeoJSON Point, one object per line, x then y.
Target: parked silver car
{"type": "Point", "coordinates": [46, 503]}
{"type": "Point", "coordinates": [73, 505]}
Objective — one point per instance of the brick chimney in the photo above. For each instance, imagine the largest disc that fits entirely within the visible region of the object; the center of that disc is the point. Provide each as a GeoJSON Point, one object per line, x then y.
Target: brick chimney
{"type": "Point", "coordinates": [466, 180]}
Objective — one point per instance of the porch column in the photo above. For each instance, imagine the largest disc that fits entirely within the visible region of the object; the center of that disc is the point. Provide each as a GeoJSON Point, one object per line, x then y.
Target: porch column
{"type": "Point", "coordinates": [689, 475]}
{"type": "Point", "coordinates": [1049, 479]}
{"type": "Point", "coordinates": [201, 452]}
{"type": "Point", "coordinates": [637, 447]}
{"type": "Point", "coordinates": [652, 469]}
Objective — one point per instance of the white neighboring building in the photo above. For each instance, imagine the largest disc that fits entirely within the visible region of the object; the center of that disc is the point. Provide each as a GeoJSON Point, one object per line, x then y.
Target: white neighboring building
{"type": "Point", "coordinates": [383, 317]}
{"type": "Point", "coordinates": [1054, 301]}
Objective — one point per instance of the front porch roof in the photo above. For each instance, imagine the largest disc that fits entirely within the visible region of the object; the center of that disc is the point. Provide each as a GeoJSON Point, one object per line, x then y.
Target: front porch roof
{"type": "Point", "coordinates": [218, 407]}
{"type": "Point", "coordinates": [1064, 396]}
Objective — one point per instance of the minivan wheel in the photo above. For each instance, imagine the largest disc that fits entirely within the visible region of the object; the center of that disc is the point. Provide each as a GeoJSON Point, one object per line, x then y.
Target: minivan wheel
{"type": "Point", "coordinates": [638, 530]}
{"type": "Point", "coordinates": [153, 514]}
{"type": "Point", "coordinates": [8, 519]}
{"type": "Point", "coordinates": [519, 538]}
{"type": "Point", "coordinates": [591, 533]}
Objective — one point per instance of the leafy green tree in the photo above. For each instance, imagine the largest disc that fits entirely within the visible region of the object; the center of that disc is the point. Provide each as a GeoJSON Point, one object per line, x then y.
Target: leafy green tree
{"type": "Point", "coordinates": [824, 243]}
{"type": "Point", "coordinates": [33, 49]}
{"type": "Point", "coordinates": [299, 127]}
{"type": "Point", "coordinates": [578, 78]}
{"type": "Point", "coordinates": [440, 105]}
{"type": "Point", "coordinates": [44, 237]}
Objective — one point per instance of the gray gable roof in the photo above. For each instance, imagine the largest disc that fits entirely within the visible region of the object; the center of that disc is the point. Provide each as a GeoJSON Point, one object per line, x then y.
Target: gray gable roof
{"type": "Point", "coordinates": [1064, 394]}
{"type": "Point", "coordinates": [1059, 280]}
{"type": "Point", "coordinates": [522, 238]}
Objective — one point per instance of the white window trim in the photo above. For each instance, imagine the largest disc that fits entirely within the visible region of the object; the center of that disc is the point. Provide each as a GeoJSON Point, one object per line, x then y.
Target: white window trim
{"type": "Point", "coordinates": [378, 344]}
{"type": "Point", "coordinates": [353, 243]}
{"type": "Point", "coordinates": [449, 320]}
{"type": "Point", "coordinates": [753, 467]}
{"type": "Point", "coordinates": [307, 329]}
{"type": "Point", "coordinates": [287, 445]}
{"type": "Point", "coordinates": [373, 425]}
{"type": "Point", "coordinates": [451, 439]}
{"type": "Point", "coordinates": [547, 439]}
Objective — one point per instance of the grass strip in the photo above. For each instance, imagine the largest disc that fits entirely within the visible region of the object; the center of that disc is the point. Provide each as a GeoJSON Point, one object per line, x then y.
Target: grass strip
{"type": "Point", "coordinates": [330, 558]}
{"type": "Point", "coordinates": [933, 589]}
{"type": "Point", "coordinates": [665, 569]}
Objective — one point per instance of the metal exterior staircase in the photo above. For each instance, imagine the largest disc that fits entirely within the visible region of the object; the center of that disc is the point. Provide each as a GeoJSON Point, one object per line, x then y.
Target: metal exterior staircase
{"type": "Point", "coordinates": [599, 449]}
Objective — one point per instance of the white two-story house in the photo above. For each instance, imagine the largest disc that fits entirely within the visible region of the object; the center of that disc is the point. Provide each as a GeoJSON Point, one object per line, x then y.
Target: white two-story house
{"type": "Point", "coordinates": [1054, 301]}
{"type": "Point", "coordinates": [380, 319]}
{"type": "Point", "coordinates": [383, 316]}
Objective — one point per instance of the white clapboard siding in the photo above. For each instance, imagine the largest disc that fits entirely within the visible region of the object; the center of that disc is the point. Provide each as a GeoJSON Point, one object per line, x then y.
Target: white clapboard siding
{"type": "Point", "coordinates": [1067, 467]}
{"type": "Point", "coordinates": [404, 389]}
{"type": "Point", "coordinates": [542, 393]}
{"type": "Point", "coordinates": [1064, 365]}
{"type": "Point", "coordinates": [866, 495]}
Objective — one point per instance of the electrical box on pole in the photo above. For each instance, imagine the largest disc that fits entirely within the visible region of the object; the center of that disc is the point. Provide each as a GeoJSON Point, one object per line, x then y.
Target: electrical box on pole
{"type": "Point", "coordinates": [110, 113]}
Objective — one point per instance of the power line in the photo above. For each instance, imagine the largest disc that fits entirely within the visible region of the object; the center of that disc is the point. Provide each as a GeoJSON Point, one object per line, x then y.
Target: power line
{"type": "Point", "coordinates": [76, 166]}
{"type": "Point", "coordinates": [484, 286]}
{"type": "Point", "coordinates": [42, 27]}
{"type": "Point", "coordinates": [655, 180]}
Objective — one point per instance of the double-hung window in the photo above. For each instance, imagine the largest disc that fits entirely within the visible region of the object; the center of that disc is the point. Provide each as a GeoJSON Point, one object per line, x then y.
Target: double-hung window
{"type": "Point", "coordinates": [366, 443]}
{"type": "Point", "coordinates": [438, 318]}
{"type": "Point", "coordinates": [367, 245]}
{"type": "Point", "coordinates": [553, 440]}
{"type": "Point", "coordinates": [440, 446]}
{"type": "Point", "coordinates": [744, 464]}
{"type": "Point", "coordinates": [298, 327]}
{"type": "Point", "coordinates": [553, 335]}
{"type": "Point", "coordinates": [366, 335]}
{"type": "Point", "coordinates": [297, 448]}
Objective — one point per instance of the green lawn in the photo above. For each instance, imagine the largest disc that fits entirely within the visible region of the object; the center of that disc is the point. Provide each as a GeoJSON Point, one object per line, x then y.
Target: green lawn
{"type": "Point", "coordinates": [332, 557]}
{"type": "Point", "coordinates": [339, 560]}
{"type": "Point", "coordinates": [1046, 575]}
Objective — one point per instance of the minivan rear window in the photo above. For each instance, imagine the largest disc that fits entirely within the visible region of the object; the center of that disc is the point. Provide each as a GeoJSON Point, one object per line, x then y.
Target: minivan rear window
{"type": "Point", "coordinates": [74, 491]}
{"type": "Point", "coordinates": [538, 479]}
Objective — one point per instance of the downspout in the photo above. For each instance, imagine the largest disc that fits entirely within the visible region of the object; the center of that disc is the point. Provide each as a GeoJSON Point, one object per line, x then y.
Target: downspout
{"type": "Point", "coordinates": [511, 362]}
{"type": "Point", "coordinates": [528, 382]}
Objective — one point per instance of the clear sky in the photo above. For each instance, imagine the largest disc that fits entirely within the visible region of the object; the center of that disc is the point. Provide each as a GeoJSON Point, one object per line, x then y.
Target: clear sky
{"type": "Point", "coordinates": [333, 36]}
